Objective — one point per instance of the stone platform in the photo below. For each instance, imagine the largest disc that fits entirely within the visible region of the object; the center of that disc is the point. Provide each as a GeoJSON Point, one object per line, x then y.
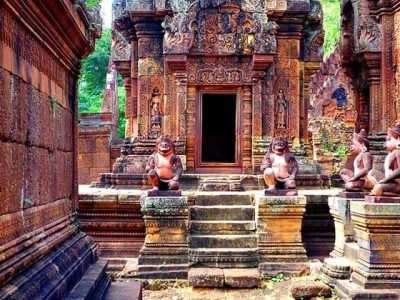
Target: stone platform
{"type": "Point", "coordinates": [113, 219]}
{"type": "Point", "coordinates": [207, 182]}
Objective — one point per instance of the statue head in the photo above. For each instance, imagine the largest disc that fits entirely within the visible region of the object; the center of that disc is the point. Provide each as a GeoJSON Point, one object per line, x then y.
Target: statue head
{"type": "Point", "coordinates": [360, 142]}
{"type": "Point", "coordinates": [393, 138]}
{"type": "Point", "coordinates": [279, 145]}
{"type": "Point", "coordinates": [165, 146]}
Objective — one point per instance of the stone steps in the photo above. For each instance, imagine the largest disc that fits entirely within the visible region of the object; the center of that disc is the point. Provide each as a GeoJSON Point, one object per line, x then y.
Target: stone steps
{"type": "Point", "coordinates": [212, 226]}
{"type": "Point", "coordinates": [128, 290]}
{"type": "Point", "coordinates": [94, 284]}
{"type": "Point", "coordinates": [223, 198]}
{"type": "Point", "coordinates": [158, 271]}
{"type": "Point", "coordinates": [225, 213]}
{"type": "Point", "coordinates": [222, 241]}
{"type": "Point", "coordinates": [217, 277]}
{"type": "Point", "coordinates": [215, 183]}
{"type": "Point", "coordinates": [224, 257]}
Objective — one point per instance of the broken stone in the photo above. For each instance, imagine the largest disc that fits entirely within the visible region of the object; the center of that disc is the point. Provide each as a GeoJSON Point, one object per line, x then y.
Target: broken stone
{"type": "Point", "coordinates": [309, 289]}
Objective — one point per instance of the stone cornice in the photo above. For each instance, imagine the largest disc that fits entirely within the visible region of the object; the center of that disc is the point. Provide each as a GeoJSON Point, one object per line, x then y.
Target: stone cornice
{"type": "Point", "coordinates": [59, 26]}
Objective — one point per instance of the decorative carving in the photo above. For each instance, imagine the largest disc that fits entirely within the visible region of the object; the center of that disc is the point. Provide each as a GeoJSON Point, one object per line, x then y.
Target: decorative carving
{"type": "Point", "coordinates": [281, 111]}
{"type": "Point", "coordinates": [315, 33]}
{"type": "Point", "coordinates": [369, 35]}
{"type": "Point", "coordinates": [155, 114]}
{"type": "Point", "coordinates": [238, 28]}
{"type": "Point", "coordinates": [220, 71]}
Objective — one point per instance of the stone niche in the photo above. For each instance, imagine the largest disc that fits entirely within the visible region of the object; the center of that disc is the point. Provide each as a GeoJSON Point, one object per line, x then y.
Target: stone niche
{"type": "Point", "coordinates": [43, 252]}
{"type": "Point", "coordinates": [177, 56]}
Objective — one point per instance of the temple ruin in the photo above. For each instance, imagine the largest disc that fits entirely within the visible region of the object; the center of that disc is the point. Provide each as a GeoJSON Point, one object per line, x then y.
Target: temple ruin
{"type": "Point", "coordinates": [237, 96]}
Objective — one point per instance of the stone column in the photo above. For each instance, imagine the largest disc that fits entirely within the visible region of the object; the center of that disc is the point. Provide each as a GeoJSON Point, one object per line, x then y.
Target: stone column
{"type": "Point", "coordinates": [377, 228]}
{"type": "Point", "coordinates": [280, 245]}
{"type": "Point", "coordinates": [165, 252]}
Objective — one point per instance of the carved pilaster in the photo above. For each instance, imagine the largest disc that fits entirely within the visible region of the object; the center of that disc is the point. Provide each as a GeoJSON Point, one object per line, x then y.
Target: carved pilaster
{"type": "Point", "coordinates": [373, 61]}
{"type": "Point", "coordinates": [181, 92]}
{"type": "Point", "coordinates": [280, 246]}
{"type": "Point", "coordinates": [165, 251]}
{"type": "Point", "coordinates": [377, 228]}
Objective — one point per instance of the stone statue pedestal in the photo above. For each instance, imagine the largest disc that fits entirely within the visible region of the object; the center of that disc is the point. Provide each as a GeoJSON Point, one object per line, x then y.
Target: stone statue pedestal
{"type": "Point", "coordinates": [165, 251]}
{"type": "Point", "coordinates": [382, 199]}
{"type": "Point", "coordinates": [281, 192]}
{"type": "Point", "coordinates": [377, 231]}
{"type": "Point", "coordinates": [164, 193]}
{"type": "Point", "coordinates": [352, 195]}
{"type": "Point", "coordinates": [280, 246]}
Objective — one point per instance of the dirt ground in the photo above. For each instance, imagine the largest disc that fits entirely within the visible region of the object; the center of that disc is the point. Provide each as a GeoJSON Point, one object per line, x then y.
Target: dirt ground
{"type": "Point", "coordinates": [270, 289]}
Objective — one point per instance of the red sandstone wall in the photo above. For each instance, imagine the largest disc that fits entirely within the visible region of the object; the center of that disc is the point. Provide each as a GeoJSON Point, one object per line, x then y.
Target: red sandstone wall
{"type": "Point", "coordinates": [396, 61]}
{"type": "Point", "coordinates": [38, 74]}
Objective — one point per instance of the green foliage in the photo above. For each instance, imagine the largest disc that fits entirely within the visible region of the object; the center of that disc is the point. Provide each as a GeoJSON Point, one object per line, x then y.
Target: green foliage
{"type": "Point", "coordinates": [93, 80]}
{"type": "Point", "coordinates": [93, 3]}
{"type": "Point", "coordinates": [93, 75]}
{"type": "Point", "coordinates": [340, 151]}
{"type": "Point", "coordinates": [331, 10]}
{"type": "Point", "coordinates": [278, 278]}
{"type": "Point", "coordinates": [121, 115]}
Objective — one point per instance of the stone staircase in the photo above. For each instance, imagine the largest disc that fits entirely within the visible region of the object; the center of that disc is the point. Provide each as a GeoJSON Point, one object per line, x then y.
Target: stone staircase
{"type": "Point", "coordinates": [220, 183]}
{"type": "Point", "coordinates": [223, 241]}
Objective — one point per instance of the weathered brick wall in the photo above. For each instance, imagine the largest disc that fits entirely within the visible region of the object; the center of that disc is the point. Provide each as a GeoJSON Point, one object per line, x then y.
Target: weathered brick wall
{"type": "Point", "coordinates": [39, 65]}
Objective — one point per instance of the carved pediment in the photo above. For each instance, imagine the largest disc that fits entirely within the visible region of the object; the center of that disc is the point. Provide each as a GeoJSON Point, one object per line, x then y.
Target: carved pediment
{"type": "Point", "coordinates": [220, 27]}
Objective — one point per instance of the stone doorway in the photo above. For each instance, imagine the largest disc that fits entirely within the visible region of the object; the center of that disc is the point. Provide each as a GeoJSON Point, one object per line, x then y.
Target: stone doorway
{"type": "Point", "coordinates": [218, 134]}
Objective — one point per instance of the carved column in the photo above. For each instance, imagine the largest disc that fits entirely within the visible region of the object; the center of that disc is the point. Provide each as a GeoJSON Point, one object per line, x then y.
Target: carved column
{"type": "Point", "coordinates": [280, 245]}
{"type": "Point", "coordinates": [150, 70]}
{"type": "Point", "coordinates": [373, 61]}
{"type": "Point", "coordinates": [181, 92]}
{"type": "Point", "coordinates": [165, 251]}
{"type": "Point", "coordinates": [260, 64]}
{"type": "Point", "coordinates": [247, 129]}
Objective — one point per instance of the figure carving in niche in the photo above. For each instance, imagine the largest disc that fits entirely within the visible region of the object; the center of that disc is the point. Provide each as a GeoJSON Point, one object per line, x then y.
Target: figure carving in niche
{"type": "Point", "coordinates": [388, 183]}
{"type": "Point", "coordinates": [164, 166]}
{"type": "Point", "coordinates": [340, 96]}
{"type": "Point", "coordinates": [281, 110]}
{"type": "Point", "coordinates": [155, 114]}
{"type": "Point", "coordinates": [356, 178]}
{"type": "Point", "coordinates": [279, 166]}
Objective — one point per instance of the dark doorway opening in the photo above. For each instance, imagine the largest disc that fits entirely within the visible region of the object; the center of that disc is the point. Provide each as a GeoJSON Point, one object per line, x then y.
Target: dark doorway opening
{"type": "Point", "coordinates": [218, 128]}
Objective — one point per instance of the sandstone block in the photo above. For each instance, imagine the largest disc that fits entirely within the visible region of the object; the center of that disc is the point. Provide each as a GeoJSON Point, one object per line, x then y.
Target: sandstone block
{"type": "Point", "coordinates": [242, 278]}
{"type": "Point", "coordinates": [206, 277]}
{"type": "Point", "coordinates": [309, 289]}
